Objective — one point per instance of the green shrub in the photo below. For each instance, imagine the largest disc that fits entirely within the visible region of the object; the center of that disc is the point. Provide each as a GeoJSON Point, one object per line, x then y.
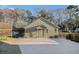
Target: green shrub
{"type": "Point", "coordinates": [69, 36]}
{"type": "Point", "coordinates": [76, 38]}
{"type": "Point", "coordinates": [3, 38]}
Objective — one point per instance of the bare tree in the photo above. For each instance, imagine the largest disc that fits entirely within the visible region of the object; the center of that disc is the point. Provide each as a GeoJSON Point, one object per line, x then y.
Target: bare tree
{"type": "Point", "coordinates": [22, 15]}
{"type": "Point", "coordinates": [46, 14]}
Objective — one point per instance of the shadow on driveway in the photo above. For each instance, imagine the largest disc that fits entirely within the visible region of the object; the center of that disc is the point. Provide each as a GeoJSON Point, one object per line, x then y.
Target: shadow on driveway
{"type": "Point", "coordinates": [9, 49]}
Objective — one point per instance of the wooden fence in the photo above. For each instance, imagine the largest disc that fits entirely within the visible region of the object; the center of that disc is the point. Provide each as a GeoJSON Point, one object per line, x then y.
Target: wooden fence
{"type": "Point", "coordinates": [5, 29]}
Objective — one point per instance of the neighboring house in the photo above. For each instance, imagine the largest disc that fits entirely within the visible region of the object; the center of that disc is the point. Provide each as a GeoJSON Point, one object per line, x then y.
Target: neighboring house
{"type": "Point", "coordinates": [41, 28]}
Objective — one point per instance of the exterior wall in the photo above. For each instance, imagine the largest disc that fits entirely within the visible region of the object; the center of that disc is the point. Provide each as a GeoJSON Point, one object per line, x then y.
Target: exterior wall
{"type": "Point", "coordinates": [45, 33]}
{"type": "Point", "coordinates": [34, 34]}
{"type": "Point", "coordinates": [27, 35]}
{"type": "Point", "coordinates": [52, 32]}
{"type": "Point", "coordinates": [39, 34]}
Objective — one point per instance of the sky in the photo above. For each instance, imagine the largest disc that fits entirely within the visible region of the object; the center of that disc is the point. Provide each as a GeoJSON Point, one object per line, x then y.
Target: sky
{"type": "Point", "coordinates": [33, 7]}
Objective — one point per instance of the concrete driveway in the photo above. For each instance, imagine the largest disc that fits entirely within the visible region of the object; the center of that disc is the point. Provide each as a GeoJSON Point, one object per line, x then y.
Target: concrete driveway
{"type": "Point", "coordinates": [64, 47]}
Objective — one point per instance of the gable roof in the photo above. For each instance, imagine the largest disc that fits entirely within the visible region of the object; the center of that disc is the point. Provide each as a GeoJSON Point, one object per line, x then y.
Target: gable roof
{"type": "Point", "coordinates": [41, 22]}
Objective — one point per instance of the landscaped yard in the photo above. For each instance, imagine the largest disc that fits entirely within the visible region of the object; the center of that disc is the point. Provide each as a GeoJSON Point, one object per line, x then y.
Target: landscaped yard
{"type": "Point", "coordinates": [7, 39]}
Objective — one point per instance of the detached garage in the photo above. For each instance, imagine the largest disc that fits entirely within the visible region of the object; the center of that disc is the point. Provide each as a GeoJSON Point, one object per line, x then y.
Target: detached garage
{"type": "Point", "coordinates": [41, 28]}
{"type": "Point", "coordinates": [5, 29]}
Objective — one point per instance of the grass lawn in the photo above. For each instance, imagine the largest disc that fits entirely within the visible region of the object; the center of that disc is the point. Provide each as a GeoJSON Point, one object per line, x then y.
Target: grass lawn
{"type": "Point", "coordinates": [7, 39]}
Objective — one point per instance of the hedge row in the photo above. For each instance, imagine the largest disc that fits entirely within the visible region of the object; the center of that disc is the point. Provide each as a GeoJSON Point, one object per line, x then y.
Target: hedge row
{"type": "Point", "coordinates": [74, 37]}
